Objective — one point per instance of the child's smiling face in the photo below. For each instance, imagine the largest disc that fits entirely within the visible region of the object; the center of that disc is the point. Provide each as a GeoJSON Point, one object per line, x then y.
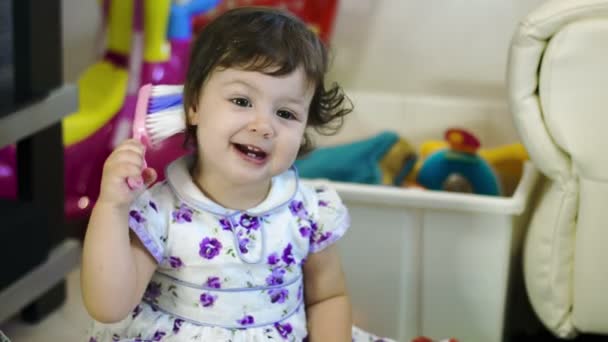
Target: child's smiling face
{"type": "Point", "coordinates": [250, 125]}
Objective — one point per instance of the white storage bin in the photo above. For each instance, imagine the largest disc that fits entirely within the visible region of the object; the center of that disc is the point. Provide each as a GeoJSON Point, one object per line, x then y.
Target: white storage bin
{"type": "Point", "coordinates": [431, 263]}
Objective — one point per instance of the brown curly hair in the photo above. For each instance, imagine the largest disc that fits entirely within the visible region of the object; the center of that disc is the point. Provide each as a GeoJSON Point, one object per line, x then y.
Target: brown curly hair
{"type": "Point", "coordinates": [274, 42]}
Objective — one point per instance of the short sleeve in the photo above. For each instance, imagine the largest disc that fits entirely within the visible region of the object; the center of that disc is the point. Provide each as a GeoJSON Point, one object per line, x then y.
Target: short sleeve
{"type": "Point", "coordinates": [146, 221]}
{"type": "Point", "coordinates": [330, 219]}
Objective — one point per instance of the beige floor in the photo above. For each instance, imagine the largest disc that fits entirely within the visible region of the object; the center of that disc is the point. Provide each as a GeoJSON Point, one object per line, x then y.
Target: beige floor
{"type": "Point", "coordinates": [67, 324]}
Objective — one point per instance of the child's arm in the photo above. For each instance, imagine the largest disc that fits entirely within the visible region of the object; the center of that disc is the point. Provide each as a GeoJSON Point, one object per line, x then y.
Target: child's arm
{"type": "Point", "coordinates": [115, 267]}
{"type": "Point", "coordinates": [327, 304]}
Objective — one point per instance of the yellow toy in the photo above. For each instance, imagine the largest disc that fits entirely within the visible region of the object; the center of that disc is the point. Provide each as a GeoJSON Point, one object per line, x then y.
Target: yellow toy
{"type": "Point", "coordinates": [103, 86]}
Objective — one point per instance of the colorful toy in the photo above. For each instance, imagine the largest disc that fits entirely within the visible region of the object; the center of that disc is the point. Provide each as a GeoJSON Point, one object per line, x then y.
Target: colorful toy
{"type": "Point", "coordinates": [167, 34]}
{"type": "Point", "coordinates": [107, 102]}
{"type": "Point", "coordinates": [382, 159]}
{"type": "Point", "coordinates": [8, 173]}
{"type": "Point", "coordinates": [107, 94]}
{"type": "Point", "coordinates": [320, 15]}
{"type": "Point", "coordinates": [459, 168]}
{"type": "Point", "coordinates": [506, 160]}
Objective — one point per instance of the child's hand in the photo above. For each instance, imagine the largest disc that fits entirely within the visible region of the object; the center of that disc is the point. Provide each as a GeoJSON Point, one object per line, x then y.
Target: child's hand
{"type": "Point", "coordinates": [126, 161]}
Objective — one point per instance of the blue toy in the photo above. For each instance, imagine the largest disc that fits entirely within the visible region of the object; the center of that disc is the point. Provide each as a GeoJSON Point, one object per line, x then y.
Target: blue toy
{"type": "Point", "coordinates": [180, 18]}
{"type": "Point", "coordinates": [459, 168]}
{"type": "Point", "coordinates": [382, 159]}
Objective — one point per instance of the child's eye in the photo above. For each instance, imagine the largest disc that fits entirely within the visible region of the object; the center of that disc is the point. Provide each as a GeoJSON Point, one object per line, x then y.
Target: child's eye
{"type": "Point", "coordinates": [241, 102]}
{"type": "Point", "coordinates": [285, 114]}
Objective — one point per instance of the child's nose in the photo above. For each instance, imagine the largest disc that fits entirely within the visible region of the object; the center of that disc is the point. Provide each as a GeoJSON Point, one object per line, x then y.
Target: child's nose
{"type": "Point", "coordinates": [262, 125]}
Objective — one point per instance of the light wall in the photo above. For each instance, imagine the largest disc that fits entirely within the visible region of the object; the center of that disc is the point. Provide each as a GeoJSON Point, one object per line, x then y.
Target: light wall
{"type": "Point", "coordinates": [81, 36]}
{"type": "Point", "coordinates": [456, 47]}
{"type": "Point", "coordinates": [438, 47]}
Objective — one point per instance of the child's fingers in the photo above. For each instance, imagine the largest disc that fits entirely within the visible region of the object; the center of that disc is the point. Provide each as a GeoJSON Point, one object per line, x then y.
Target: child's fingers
{"type": "Point", "coordinates": [149, 176]}
{"type": "Point", "coordinates": [128, 156]}
{"type": "Point", "coordinates": [131, 145]}
{"type": "Point", "coordinates": [124, 170]}
{"type": "Point", "coordinates": [127, 162]}
{"type": "Point", "coordinates": [135, 183]}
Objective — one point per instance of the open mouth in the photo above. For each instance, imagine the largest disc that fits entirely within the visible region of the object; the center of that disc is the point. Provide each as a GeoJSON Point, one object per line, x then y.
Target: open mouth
{"type": "Point", "coordinates": [251, 152]}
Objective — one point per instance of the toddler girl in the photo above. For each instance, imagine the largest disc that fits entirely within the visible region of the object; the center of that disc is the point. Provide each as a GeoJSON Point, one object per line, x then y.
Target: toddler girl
{"type": "Point", "coordinates": [231, 246]}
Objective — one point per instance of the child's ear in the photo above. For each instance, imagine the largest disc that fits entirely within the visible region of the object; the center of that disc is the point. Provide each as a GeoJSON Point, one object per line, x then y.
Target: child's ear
{"type": "Point", "coordinates": [192, 116]}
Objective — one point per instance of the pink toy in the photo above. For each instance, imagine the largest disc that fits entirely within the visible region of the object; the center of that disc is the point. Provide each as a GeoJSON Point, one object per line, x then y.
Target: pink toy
{"type": "Point", "coordinates": [84, 160]}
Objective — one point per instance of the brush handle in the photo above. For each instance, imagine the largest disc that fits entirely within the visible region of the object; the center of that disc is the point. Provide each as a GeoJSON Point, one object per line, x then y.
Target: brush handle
{"type": "Point", "coordinates": [139, 127]}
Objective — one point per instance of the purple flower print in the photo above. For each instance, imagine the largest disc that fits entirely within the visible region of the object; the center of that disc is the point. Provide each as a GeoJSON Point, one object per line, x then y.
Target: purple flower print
{"type": "Point", "coordinates": [225, 224]}
{"type": "Point", "coordinates": [323, 203]}
{"type": "Point", "coordinates": [278, 295]}
{"type": "Point", "coordinates": [175, 262]}
{"type": "Point", "coordinates": [136, 220]}
{"type": "Point", "coordinates": [115, 338]}
{"type": "Point", "coordinates": [288, 256]}
{"type": "Point", "coordinates": [305, 231]}
{"type": "Point", "coordinates": [300, 291]}
{"type": "Point", "coordinates": [283, 329]}
{"type": "Point", "coordinates": [182, 214]}
{"type": "Point", "coordinates": [136, 311]}
{"type": "Point", "coordinates": [249, 222]}
{"type": "Point", "coordinates": [177, 324]}
{"type": "Point", "coordinates": [323, 237]}
{"type": "Point", "coordinates": [158, 335]}
{"type": "Point", "coordinates": [273, 259]}
{"type": "Point", "coordinates": [276, 277]}
{"type": "Point", "coordinates": [247, 320]}
{"type": "Point", "coordinates": [243, 245]}
{"type": "Point", "coordinates": [209, 248]}
{"type": "Point", "coordinates": [153, 291]}
{"type": "Point", "coordinates": [214, 282]}
{"type": "Point", "coordinates": [153, 206]}
{"type": "Point", "coordinates": [297, 209]}
{"type": "Point", "coordinates": [313, 226]}
{"type": "Point", "coordinates": [207, 299]}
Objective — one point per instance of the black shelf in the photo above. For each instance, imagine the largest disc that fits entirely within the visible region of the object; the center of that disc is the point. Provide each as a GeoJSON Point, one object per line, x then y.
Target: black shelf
{"type": "Point", "coordinates": [37, 285]}
{"type": "Point", "coordinates": [38, 115]}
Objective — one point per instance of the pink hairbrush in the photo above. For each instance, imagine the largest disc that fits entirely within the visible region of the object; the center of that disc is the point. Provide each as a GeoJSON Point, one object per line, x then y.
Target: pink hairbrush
{"type": "Point", "coordinates": [159, 114]}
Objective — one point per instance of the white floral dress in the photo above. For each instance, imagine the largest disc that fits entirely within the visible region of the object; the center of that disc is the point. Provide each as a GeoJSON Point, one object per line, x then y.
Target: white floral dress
{"type": "Point", "coordinates": [226, 275]}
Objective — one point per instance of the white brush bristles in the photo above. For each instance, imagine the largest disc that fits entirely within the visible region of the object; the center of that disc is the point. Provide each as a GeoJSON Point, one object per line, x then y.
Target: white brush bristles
{"type": "Point", "coordinates": [166, 123]}
{"type": "Point", "coordinates": [161, 90]}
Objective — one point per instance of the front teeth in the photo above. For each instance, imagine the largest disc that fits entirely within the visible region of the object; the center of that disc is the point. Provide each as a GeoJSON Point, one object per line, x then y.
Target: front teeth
{"type": "Point", "coordinates": [253, 149]}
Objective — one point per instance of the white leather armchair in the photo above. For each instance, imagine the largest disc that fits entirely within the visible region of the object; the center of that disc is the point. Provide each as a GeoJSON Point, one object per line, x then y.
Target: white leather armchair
{"type": "Point", "coordinates": [558, 93]}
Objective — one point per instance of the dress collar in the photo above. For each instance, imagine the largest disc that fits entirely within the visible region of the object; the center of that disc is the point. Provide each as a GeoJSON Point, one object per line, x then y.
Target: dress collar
{"type": "Point", "coordinates": [283, 188]}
